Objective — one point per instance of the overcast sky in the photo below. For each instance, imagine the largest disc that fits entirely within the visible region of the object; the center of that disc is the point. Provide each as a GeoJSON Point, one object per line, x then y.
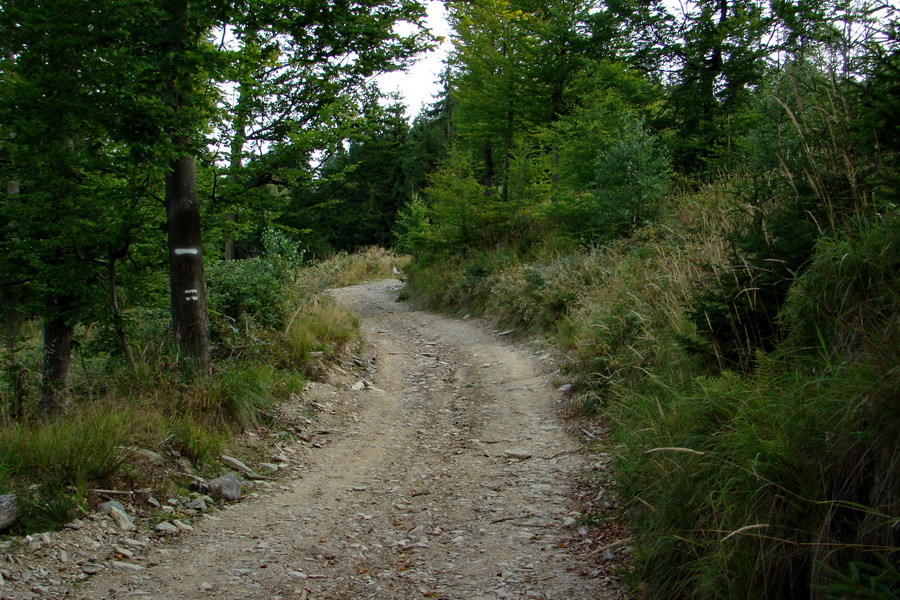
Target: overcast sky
{"type": "Point", "coordinates": [418, 85]}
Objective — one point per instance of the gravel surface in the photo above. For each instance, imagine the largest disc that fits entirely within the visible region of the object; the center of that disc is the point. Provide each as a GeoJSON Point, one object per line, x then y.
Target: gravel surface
{"type": "Point", "coordinates": [446, 473]}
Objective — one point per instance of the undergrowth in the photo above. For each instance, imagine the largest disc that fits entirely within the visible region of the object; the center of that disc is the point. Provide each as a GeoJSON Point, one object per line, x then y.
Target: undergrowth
{"type": "Point", "coordinates": [272, 338]}
{"type": "Point", "coordinates": [779, 480]}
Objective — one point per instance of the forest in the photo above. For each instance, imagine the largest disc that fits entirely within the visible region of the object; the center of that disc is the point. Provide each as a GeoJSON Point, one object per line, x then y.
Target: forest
{"type": "Point", "coordinates": [696, 201]}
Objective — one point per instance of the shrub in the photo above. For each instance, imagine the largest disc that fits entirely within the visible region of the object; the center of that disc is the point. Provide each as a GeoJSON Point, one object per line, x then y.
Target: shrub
{"type": "Point", "coordinates": [250, 293]}
{"type": "Point", "coordinates": [802, 180]}
{"type": "Point", "coordinates": [782, 483]}
{"type": "Point", "coordinates": [834, 308]}
{"type": "Point", "coordinates": [249, 287]}
{"type": "Point", "coordinates": [631, 178]}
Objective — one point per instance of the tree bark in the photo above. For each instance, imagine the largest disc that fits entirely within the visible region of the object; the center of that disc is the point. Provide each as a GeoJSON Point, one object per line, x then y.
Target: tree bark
{"type": "Point", "coordinates": [15, 370]}
{"type": "Point", "coordinates": [183, 223]}
{"type": "Point", "coordinates": [236, 158]}
{"type": "Point", "coordinates": [188, 293]}
{"type": "Point", "coordinates": [507, 157]}
{"type": "Point", "coordinates": [58, 328]}
{"type": "Point", "coordinates": [114, 310]}
{"type": "Point", "coordinates": [58, 334]}
{"type": "Point", "coordinates": [229, 253]}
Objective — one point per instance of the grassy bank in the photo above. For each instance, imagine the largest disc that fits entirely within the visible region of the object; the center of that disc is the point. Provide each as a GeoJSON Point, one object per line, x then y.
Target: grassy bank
{"type": "Point", "coordinates": [268, 343]}
{"type": "Point", "coordinates": [769, 477]}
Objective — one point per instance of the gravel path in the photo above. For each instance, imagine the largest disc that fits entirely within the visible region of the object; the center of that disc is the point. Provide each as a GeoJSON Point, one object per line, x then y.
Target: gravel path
{"type": "Point", "coordinates": [449, 476]}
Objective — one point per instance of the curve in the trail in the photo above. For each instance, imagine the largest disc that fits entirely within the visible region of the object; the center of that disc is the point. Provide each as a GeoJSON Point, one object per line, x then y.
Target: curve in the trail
{"type": "Point", "coordinates": [449, 480]}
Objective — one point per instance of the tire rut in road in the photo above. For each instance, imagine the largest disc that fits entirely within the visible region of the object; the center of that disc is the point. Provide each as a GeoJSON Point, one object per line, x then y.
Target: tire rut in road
{"type": "Point", "coordinates": [451, 482]}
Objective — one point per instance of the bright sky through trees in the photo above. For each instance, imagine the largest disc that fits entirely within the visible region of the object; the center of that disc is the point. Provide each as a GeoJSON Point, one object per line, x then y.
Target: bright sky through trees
{"type": "Point", "coordinates": [419, 84]}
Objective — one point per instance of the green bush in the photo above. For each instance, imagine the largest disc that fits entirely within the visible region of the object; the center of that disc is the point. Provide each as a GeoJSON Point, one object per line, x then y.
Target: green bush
{"type": "Point", "coordinates": [631, 179]}
{"type": "Point", "coordinates": [783, 483]}
{"type": "Point", "coordinates": [252, 293]}
{"type": "Point", "coordinates": [457, 215]}
{"type": "Point", "coordinates": [247, 287]}
{"type": "Point", "coordinates": [802, 180]}
{"type": "Point", "coordinates": [851, 285]}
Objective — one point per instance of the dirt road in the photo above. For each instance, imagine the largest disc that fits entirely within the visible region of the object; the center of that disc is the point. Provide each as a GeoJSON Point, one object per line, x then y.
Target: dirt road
{"type": "Point", "coordinates": [447, 477]}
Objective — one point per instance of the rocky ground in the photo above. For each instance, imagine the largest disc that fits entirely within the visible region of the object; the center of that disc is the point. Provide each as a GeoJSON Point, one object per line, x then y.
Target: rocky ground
{"type": "Point", "coordinates": [441, 470]}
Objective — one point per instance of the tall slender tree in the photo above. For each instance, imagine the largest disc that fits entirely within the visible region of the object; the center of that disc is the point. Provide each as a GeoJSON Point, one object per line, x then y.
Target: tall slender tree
{"type": "Point", "coordinates": [299, 93]}
{"type": "Point", "coordinates": [141, 78]}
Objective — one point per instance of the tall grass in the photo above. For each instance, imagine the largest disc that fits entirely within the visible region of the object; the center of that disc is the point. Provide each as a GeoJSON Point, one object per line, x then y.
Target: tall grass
{"type": "Point", "coordinates": [760, 486]}
{"type": "Point", "coordinates": [346, 269]}
{"type": "Point", "coordinates": [323, 326]}
{"type": "Point", "coordinates": [152, 405]}
{"type": "Point", "coordinates": [49, 465]}
{"type": "Point", "coordinates": [781, 482]}
{"type": "Point", "coordinates": [234, 397]}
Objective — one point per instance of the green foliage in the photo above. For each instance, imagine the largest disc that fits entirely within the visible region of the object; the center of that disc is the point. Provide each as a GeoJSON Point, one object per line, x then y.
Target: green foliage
{"type": "Point", "coordinates": [797, 186]}
{"type": "Point", "coordinates": [51, 464]}
{"type": "Point", "coordinates": [630, 180]}
{"type": "Point", "coordinates": [250, 298]}
{"type": "Point", "coordinates": [744, 483]}
{"type": "Point", "coordinates": [612, 309]}
{"type": "Point", "coordinates": [67, 452]}
{"type": "Point", "coordinates": [851, 285]}
{"type": "Point", "coordinates": [250, 287]}
{"type": "Point", "coordinates": [621, 99]}
{"type": "Point", "coordinates": [876, 114]}
{"type": "Point", "coordinates": [412, 226]}
{"type": "Point", "coordinates": [721, 60]}
{"type": "Point", "coordinates": [244, 287]}
{"type": "Point", "coordinates": [784, 479]}
{"type": "Point", "coordinates": [354, 203]}
{"type": "Point", "coordinates": [197, 440]}
{"type": "Point", "coordinates": [105, 108]}
{"type": "Point", "coordinates": [49, 508]}
{"type": "Point", "coordinates": [875, 579]}
{"type": "Point", "coordinates": [458, 214]}
{"type": "Point", "coordinates": [740, 335]}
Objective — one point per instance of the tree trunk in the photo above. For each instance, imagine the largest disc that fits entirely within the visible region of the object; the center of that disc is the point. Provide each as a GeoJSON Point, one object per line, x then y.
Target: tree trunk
{"type": "Point", "coordinates": [556, 112]}
{"type": "Point", "coordinates": [236, 158]}
{"type": "Point", "coordinates": [507, 156]}
{"type": "Point", "coordinates": [15, 371]}
{"type": "Point", "coordinates": [189, 318]}
{"type": "Point", "coordinates": [228, 253]}
{"type": "Point", "coordinates": [488, 181]}
{"type": "Point", "coordinates": [58, 331]}
{"type": "Point", "coordinates": [58, 335]}
{"type": "Point", "coordinates": [183, 223]}
{"type": "Point", "coordinates": [115, 313]}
